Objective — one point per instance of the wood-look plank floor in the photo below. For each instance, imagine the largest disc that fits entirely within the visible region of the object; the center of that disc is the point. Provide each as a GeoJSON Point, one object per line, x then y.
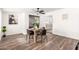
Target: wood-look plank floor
{"type": "Point", "coordinates": [55, 42]}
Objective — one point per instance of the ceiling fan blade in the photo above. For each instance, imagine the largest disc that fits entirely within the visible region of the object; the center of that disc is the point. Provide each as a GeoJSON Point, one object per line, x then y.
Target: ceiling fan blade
{"type": "Point", "coordinates": [41, 11]}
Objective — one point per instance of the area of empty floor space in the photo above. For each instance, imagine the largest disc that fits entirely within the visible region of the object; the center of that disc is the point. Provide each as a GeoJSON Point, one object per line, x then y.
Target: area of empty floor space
{"type": "Point", "coordinates": [55, 42]}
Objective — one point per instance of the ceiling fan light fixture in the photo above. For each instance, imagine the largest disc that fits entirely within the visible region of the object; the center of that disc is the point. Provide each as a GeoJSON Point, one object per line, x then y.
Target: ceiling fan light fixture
{"type": "Point", "coordinates": [40, 11]}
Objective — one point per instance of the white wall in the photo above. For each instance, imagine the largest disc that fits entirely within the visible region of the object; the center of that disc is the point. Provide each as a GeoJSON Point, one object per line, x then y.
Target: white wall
{"type": "Point", "coordinates": [66, 27]}
{"type": "Point", "coordinates": [0, 23]}
{"type": "Point", "coordinates": [16, 28]}
{"type": "Point", "coordinates": [45, 19]}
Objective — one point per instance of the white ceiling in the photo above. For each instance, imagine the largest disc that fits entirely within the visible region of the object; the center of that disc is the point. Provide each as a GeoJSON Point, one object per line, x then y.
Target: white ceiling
{"type": "Point", "coordinates": [47, 9]}
{"type": "Point", "coordinates": [50, 9]}
{"type": "Point", "coordinates": [14, 9]}
{"type": "Point", "coordinates": [31, 9]}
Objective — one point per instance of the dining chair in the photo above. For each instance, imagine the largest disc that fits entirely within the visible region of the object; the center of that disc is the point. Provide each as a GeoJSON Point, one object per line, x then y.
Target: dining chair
{"type": "Point", "coordinates": [42, 33]}
{"type": "Point", "coordinates": [30, 33]}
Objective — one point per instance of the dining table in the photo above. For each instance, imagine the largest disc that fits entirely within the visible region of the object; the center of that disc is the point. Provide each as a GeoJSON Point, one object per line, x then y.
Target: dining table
{"type": "Point", "coordinates": [35, 33]}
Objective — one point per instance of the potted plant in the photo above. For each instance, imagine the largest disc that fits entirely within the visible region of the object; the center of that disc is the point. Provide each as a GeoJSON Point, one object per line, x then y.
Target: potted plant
{"type": "Point", "coordinates": [4, 30]}
{"type": "Point", "coordinates": [36, 25]}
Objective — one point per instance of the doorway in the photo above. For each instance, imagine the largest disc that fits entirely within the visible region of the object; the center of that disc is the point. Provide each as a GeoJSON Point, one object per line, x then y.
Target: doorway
{"type": "Point", "coordinates": [50, 24]}
{"type": "Point", "coordinates": [33, 19]}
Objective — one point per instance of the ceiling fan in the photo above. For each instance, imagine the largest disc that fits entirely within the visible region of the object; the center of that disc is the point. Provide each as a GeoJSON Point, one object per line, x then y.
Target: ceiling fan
{"type": "Point", "coordinates": [39, 11]}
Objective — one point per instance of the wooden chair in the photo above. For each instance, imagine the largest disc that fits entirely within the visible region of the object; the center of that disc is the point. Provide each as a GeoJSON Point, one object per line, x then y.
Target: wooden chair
{"type": "Point", "coordinates": [42, 33]}
{"type": "Point", "coordinates": [30, 33]}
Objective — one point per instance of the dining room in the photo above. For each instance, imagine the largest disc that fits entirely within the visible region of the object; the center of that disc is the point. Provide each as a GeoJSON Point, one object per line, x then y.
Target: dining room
{"type": "Point", "coordinates": [39, 29]}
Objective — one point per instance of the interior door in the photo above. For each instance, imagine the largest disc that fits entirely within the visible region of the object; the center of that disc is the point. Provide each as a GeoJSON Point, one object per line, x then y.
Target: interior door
{"type": "Point", "coordinates": [46, 21]}
{"type": "Point", "coordinates": [50, 24]}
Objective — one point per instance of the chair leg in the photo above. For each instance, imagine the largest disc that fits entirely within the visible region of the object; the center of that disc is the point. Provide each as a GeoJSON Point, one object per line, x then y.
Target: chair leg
{"type": "Point", "coordinates": [32, 36]}
{"type": "Point", "coordinates": [46, 38]}
{"type": "Point", "coordinates": [26, 37]}
{"type": "Point", "coordinates": [36, 39]}
{"type": "Point", "coordinates": [41, 38]}
{"type": "Point", "coordinates": [29, 39]}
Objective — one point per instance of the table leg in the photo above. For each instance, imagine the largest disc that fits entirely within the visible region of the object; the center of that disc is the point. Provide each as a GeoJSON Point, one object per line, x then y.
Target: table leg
{"type": "Point", "coordinates": [34, 36]}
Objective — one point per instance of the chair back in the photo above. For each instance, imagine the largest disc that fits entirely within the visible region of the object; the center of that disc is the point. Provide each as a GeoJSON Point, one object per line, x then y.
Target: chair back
{"type": "Point", "coordinates": [43, 31]}
{"type": "Point", "coordinates": [30, 32]}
